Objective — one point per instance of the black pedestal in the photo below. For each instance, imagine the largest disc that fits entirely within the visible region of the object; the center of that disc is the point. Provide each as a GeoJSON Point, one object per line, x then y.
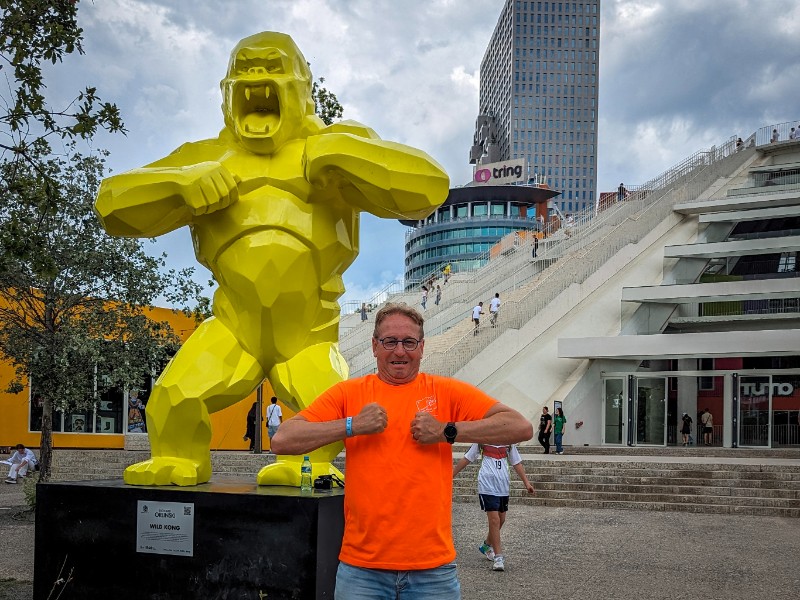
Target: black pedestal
{"type": "Point", "coordinates": [228, 539]}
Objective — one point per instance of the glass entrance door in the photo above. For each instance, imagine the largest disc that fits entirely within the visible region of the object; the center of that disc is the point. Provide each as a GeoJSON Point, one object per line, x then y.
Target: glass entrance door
{"type": "Point", "coordinates": [754, 410]}
{"type": "Point", "coordinates": [785, 410]}
{"type": "Point", "coordinates": [614, 411]}
{"type": "Point", "coordinates": [650, 411]}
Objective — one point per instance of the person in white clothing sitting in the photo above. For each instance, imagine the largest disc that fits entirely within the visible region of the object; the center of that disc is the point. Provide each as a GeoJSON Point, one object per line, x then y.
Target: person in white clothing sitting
{"type": "Point", "coordinates": [21, 462]}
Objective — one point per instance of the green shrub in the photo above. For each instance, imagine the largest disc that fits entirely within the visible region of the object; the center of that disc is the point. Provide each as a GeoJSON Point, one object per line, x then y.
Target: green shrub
{"type": "Point", "coordinates": [29, 489]}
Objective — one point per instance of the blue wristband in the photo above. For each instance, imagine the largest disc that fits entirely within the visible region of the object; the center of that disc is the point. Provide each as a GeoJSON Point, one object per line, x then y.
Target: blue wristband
{"type": "Point", "coordinates": [349, 426]}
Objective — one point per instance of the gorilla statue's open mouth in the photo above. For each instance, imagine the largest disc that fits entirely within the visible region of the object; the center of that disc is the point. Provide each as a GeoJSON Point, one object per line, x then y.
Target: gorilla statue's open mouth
{"type": "Point", "coordinates": [257, 108]}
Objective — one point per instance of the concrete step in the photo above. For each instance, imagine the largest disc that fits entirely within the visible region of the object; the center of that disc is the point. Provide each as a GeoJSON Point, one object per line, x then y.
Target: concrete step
{"type": "Point", "coordinates": [724, 485]}
{"type": "Point", "coordinates": [646, 494]}
{"type": "Point", "coordinates": [705, 483]}
{"type": "Point", "coordinates": [709, 479]}
{"type": "Point", "coordinates": [743, 472]}
{"type": "Point", "coordinates": [75, 465]}
{"type": "Point", "coordinates": [791, 452]}
{"type": "Point", "coordinates": [652, 506]}
{"type": "Point", "coordinates": [677, 489]}
{"type": "Point", "coordinates": [665, 488]}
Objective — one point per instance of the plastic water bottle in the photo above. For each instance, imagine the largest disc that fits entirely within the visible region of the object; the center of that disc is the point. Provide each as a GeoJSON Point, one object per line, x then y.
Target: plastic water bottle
{"type": "Point", "coordinates": [305, 475]}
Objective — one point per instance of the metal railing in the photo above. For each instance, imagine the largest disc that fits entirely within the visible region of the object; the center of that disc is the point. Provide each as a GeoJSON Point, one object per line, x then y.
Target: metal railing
{"type": "Point", "coordinates": [753, 435]}
{"type": "Point", "coordinates": [378, 298]}
{"type": "Point", "coordinates": [763, 137]}
{"type": "Point", "coordinates": [770, 182]}
{"type": "Point", "coordinates": [776, 306]}
{"type": "Point", "coordinates": [733, 269]}
{"type": "Point", "coordinates": [675, 437]}
{"type": "Point", "coordinates": [785, 435]}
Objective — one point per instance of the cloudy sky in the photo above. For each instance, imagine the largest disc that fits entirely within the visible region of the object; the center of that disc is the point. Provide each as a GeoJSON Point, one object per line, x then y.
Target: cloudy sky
{"type": "Point", "coordinates": [676, 76]}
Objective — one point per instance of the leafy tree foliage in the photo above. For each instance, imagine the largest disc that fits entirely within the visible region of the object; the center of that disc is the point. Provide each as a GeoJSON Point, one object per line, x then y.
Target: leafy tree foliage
{"type": "Point", "coordinates": [33, 32]}
{"type": "Point", "coordinates": [325, 102]}
{"type": "Point", "coordinates": [72, 298]}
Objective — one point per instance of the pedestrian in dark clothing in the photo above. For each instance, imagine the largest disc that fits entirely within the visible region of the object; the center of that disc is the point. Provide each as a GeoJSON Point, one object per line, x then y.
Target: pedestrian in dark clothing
{"type": "Point", "coordinates": [545, 429]}
{"type": "Point", "coordinates": [686, 428]}
{"type": "Point", "coordinates": [250, 431]}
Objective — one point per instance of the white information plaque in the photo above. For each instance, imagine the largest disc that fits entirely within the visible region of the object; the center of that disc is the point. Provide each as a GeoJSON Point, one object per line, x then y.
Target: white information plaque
{"type": "Point", "coordinates": [165, 528]}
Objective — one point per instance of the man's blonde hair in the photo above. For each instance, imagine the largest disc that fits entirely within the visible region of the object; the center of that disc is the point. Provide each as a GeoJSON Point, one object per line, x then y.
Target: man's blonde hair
{"type": "Point", "coordinates": [398, 308]}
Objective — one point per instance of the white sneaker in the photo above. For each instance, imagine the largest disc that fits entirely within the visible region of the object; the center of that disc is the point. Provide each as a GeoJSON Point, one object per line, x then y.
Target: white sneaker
{"type": "Point", "coordinates": [499, 564]}
{"type": "Point", "coordinates": [9, 480]}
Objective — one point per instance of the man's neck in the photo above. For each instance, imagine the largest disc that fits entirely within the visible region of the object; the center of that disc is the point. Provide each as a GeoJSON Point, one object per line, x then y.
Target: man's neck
{"type": "Point", "coordinates": [391, 382]}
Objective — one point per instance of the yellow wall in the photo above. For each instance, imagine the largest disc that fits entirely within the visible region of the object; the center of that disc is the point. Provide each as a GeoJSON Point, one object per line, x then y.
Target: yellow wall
{"type": "Point", "coordinates": [228, 425]}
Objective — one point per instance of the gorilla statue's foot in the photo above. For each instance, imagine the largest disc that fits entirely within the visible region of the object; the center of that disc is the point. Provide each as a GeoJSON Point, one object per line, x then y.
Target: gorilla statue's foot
{"type": "Point", "coordinates": [166, 470]}
{"type": "Point", "coordinates": [286, 471]}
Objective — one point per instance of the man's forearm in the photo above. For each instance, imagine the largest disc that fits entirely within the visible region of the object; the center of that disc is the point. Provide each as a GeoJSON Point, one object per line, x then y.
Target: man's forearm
{"type": "Point", "coordinates": [300, 436]}
{"type": "Point", "coordinates": [501, 425]}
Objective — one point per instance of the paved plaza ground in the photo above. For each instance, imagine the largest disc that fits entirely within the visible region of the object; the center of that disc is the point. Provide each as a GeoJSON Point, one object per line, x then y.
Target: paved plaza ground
{"type": "Point", "coordinates": [566, 554]}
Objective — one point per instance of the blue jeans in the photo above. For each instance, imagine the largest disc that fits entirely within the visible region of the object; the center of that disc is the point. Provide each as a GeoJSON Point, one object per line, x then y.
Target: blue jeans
{"type": "Point", "coordinates": [559, 437]}
{"type": "Point", "coordinates": [358, 583]}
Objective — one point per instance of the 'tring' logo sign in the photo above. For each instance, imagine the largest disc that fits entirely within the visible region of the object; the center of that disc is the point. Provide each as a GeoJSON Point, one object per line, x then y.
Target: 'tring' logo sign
{"type": "Point", "coordinates": [508, 172]}
{"type": "Point", "coordinates": [483, 175]}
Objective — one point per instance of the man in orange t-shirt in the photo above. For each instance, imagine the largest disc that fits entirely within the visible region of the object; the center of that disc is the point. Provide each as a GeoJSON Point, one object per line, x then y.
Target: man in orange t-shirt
{"type": "Point", "coordinates": [398, 426]}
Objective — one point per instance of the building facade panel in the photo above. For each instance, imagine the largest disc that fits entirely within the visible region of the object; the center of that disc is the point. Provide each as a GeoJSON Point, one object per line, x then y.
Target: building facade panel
{"type": "Point", "coordinates": [539, 79]}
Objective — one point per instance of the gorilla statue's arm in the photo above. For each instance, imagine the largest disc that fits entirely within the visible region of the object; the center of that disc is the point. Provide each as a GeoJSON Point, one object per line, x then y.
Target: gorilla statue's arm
{"type": "Point", "coordinates": [163, 196]}
{"type": "Point", "coordinates": [384, 178]}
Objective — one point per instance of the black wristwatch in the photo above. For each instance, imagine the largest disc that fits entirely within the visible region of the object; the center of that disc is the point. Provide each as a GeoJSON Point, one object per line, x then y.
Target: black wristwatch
{"type": "Point", "coordinates": [450, 432]}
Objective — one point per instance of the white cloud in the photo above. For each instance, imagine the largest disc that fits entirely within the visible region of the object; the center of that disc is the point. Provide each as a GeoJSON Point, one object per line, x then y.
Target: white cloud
{"type": "Point", "coordinates": [675, 77]}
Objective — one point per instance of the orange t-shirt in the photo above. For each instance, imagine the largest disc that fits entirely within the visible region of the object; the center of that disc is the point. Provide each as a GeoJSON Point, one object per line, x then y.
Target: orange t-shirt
{"type": "Point", "coordinates": [398, 497]}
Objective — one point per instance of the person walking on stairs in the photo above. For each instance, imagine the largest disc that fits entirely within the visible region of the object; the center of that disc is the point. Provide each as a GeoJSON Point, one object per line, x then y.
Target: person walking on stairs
{"type": "Point", "coordinates": [494, 309]}
{"type": "Point", "coordinates": [477, 311]}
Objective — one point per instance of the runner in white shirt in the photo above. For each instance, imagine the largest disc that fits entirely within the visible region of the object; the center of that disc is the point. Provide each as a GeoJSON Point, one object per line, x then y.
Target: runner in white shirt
{"type": "Point", "coordinates": [493, 491]}
{"type": "Point", "coordinates": [494, 309]}
{"type": "Point", "coordinates": [476, 317]}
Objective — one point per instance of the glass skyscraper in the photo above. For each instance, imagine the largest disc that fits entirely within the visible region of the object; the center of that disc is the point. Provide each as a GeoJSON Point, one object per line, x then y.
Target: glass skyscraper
{"type": "Point", "coordinates": [539, 82]}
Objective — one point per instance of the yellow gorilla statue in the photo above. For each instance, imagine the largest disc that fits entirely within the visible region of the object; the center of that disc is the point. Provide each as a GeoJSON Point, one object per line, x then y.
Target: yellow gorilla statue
{"type": "Point", "coordinates": [273, 205]}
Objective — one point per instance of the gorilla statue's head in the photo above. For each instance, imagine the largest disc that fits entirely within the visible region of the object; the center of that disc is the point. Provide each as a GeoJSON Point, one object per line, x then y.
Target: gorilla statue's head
{"type": "Point", "coordinates": [266, 93]}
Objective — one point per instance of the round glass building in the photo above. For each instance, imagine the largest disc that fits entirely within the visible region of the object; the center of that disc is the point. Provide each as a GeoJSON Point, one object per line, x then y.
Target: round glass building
{"type": "Point", "coordinates": [463, 229]}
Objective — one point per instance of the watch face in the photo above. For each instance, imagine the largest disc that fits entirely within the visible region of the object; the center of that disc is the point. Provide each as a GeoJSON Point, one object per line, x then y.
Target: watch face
{"type": "Point", "coordinates": [450, 432]}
